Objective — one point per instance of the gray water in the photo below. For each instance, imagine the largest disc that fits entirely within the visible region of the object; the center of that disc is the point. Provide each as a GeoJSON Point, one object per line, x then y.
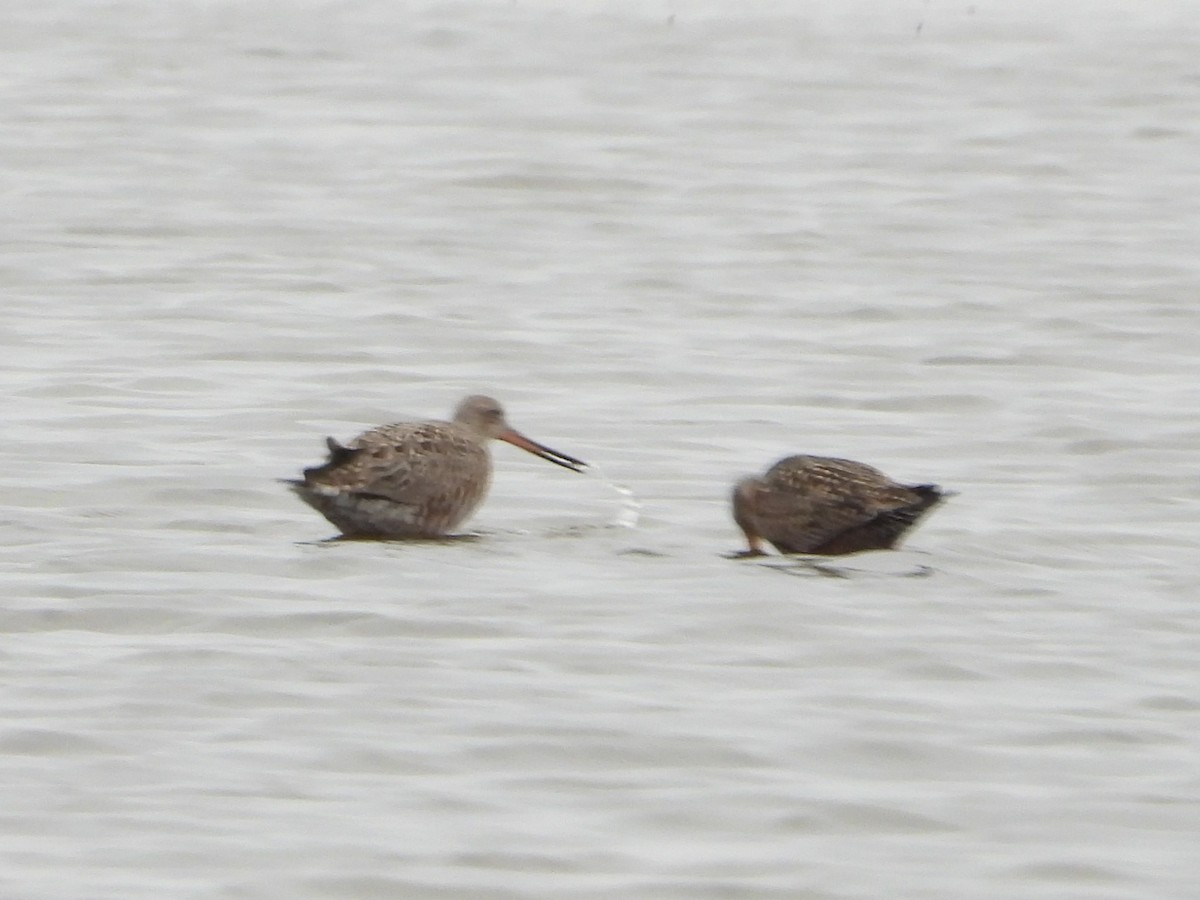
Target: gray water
{"type": "Point", "coordinates": [678, 240]}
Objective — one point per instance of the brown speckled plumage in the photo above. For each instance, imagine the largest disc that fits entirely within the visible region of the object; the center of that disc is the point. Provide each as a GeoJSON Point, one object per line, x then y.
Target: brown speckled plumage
{"type": "Point", "coordinates": [414, 479]}
{"type": "Point", "coordinates": [827, 506]}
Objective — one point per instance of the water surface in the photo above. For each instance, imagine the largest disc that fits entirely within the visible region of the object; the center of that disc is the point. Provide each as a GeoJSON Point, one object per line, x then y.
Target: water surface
{"type": "Point", "coordinates": [678, 241]}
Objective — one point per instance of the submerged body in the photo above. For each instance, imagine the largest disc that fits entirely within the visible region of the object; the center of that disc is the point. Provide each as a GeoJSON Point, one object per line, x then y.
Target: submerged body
{"type": "Point", "coordinates": [827, 506]}
{"type": "Point", "coordinates": [415, 479]}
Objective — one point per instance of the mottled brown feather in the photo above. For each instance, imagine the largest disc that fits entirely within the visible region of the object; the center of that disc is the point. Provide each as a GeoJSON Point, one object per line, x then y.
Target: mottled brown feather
{"type": "Point", "coordinates": [414, 479]}
{"type": "Point", "coordinates": [828, 506]}
{"type": "Point", "coordinates": [433, 475]}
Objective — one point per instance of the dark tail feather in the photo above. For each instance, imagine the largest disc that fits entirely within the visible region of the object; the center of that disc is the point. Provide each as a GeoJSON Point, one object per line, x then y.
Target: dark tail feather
{"type": "Point", "coordinates": [931, 495]}
{"type": "Point", "coordinates": [338, 456]}
{"type": "Point", "coordinates": [885, 530]}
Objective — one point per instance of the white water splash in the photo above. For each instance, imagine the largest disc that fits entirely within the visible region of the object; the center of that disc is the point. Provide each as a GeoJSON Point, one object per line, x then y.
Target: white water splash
{"type": "Point", "coordinates": [630, 509]}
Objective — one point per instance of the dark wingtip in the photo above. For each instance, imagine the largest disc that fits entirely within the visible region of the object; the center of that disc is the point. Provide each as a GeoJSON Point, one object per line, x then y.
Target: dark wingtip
{"type": "Point", "coordinates": [338, 456]}
{"type": "Point", "coordinates": [931, 492]}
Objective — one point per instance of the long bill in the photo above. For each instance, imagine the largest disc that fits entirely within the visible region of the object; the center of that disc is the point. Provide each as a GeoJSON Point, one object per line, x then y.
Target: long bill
{"type": "Point", "coordinates": [559, 459]}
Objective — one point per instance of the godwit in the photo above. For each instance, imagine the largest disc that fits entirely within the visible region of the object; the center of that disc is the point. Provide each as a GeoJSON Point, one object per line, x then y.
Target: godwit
{"type": "Point", "coordinates": [415, 479]}
{"type": "Point", "coordinates": [817, 504]}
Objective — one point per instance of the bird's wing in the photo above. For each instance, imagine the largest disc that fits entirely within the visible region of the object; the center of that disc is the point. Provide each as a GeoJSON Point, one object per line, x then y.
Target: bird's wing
{"type": "Point", "coordinates": [408, 463]}
{"type": "Point", "coordinates": [809, 500]}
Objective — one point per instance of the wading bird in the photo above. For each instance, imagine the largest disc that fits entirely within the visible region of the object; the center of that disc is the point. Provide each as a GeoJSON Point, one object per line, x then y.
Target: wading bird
{"type": "Point", "coordinates": [415, 479]}
{"type": "Point", "coordinates": [827, 506]}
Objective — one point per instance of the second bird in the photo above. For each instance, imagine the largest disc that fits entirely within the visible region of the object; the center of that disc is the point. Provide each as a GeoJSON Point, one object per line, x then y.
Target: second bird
{"type": "Point", "coordinates": [415, 479]}
{"type": "Point", "coordinates": [827, 506]}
